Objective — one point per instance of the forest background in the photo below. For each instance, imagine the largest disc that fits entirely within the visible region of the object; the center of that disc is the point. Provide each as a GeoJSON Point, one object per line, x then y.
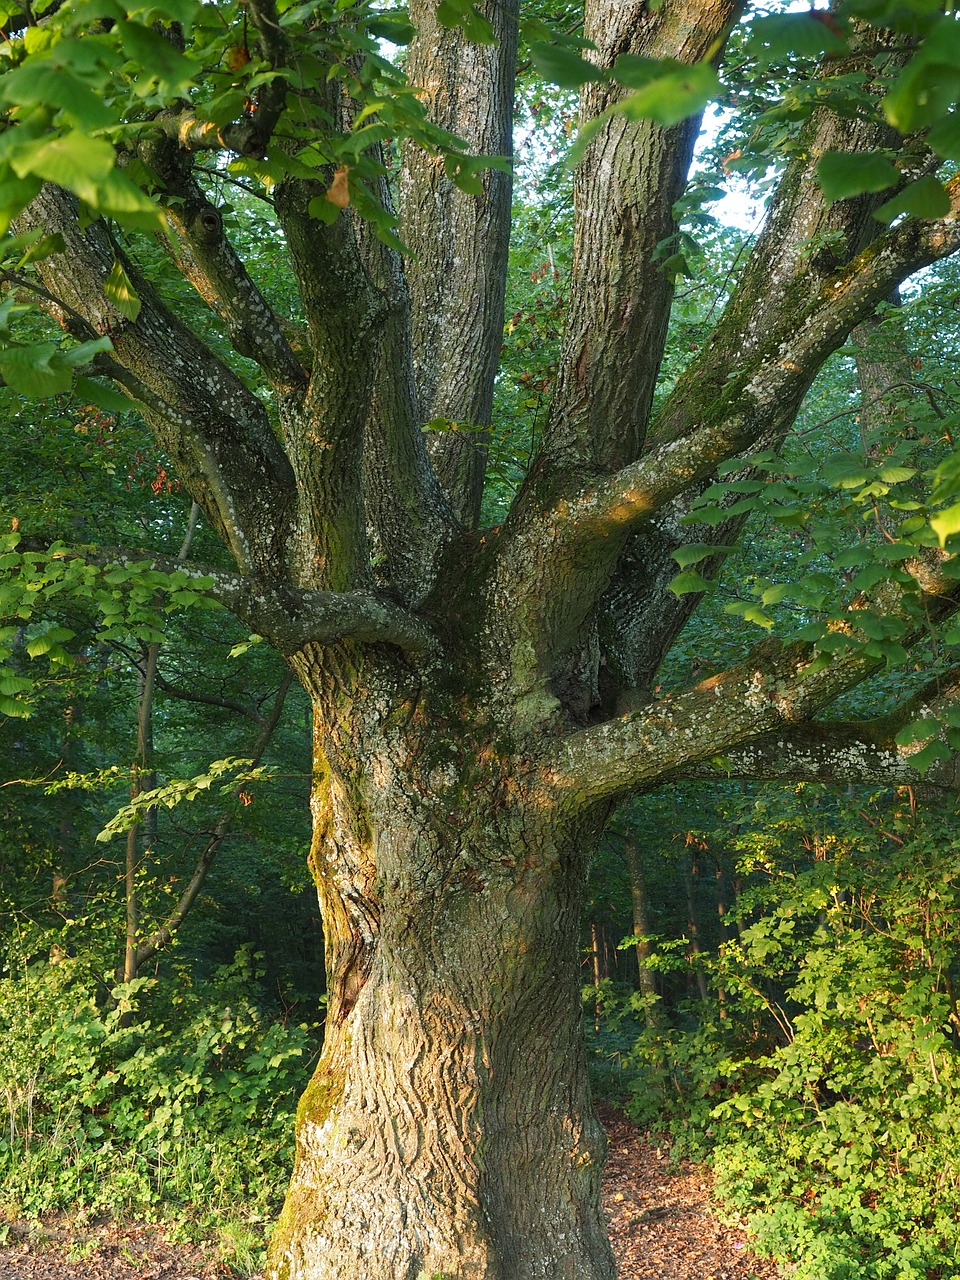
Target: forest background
{"type": "Point", "coordinates": [769, 970]}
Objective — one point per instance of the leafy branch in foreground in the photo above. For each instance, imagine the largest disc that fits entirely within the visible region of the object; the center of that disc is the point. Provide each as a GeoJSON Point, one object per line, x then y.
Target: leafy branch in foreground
{"type": "Point", "coordinates": [173, 792]}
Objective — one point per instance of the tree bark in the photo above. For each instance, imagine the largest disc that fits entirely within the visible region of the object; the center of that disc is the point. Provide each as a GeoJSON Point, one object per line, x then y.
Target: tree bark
{"type": "Point", "coordinates": [452, 1079]}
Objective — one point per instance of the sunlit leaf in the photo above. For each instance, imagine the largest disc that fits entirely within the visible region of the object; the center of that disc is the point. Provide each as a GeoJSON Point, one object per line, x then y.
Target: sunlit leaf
{"type": "Point", "coordinates": [688, 581]}
{"type": "Point", "coordinates": [74, 160]}
{"type": "Point", "coordinates": [120, 291]}
{"type": "Point", "coordinates": [677, 92]}
{"type": "Point", "coordinates": [925, 198]}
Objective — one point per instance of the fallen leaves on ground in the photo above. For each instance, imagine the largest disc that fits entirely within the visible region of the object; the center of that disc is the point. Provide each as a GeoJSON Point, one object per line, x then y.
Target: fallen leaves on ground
{"type": "Point", "coordinates": [660, 1217]}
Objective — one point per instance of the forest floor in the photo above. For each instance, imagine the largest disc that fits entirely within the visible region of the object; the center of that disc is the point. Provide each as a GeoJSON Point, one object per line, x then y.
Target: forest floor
{"type": "Point", "coordinates": [661, 1225]}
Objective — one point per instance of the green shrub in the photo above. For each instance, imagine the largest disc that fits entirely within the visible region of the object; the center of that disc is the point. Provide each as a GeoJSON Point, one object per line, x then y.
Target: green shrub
{"type": "Point", "coordinates": [164, 1099]}
{"type": "Point", "coordinates": [827, 1083]}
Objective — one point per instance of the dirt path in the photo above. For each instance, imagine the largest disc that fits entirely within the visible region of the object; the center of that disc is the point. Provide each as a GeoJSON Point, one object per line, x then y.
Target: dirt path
{"type": "Point", "coordinates": [660, 1224]}
{"type": "Point", "coordinates": [660, 1219]}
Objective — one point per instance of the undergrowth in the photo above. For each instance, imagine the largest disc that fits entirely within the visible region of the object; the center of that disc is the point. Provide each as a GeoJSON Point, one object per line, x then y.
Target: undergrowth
{"type": "Point", "coordinates": [160, 1099]}
{"type": "Point", "coordinates": [822, 1080]}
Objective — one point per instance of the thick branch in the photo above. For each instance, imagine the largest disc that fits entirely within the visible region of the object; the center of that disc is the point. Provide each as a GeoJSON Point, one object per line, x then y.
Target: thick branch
{"type": "Point", "coordinates": [245, 137]}
{"type": "Point", "coordinates": [205, 256]}
{"type": "Point", "coordinates": [625, 192]}
{"type": "Point", "coordinates": [564, 545]}
{"type": "Point", "coordinates": [324, 435]}
{"type": "Point", "coordinates": [287, 616]}
{"type": "Point", "coordinates": [459, 242]}
{"type": "Point", "coordinates": [842, 754]}
{"type": "Point", "coordinates": [407, 512]}
{"type": "Point", "coordinates": [291, 618]}
{"type": "Point", "coordinates": [781, 286]}
{"type": "Point", "coordinates": [829, 751]}
{"type": "Point", "coordinates": [215, 431]}
{"type": "Point", "coordinates": [774, 690]}
{"type": "Point", "coordinates": [769, 388]}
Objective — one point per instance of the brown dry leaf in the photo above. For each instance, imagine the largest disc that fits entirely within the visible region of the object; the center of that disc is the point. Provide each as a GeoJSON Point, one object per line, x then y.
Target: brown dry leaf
{"type": "Point", "coordinates": [338, 192]}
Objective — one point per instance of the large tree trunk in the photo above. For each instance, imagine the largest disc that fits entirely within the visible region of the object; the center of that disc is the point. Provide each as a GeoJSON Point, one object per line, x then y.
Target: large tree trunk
{"type": "Point", "coordinates": [448, 1129]}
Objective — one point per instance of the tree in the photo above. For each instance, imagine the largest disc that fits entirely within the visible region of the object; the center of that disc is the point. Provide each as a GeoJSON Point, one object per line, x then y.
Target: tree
{"type": "Point", "coordinates": [482, 697]}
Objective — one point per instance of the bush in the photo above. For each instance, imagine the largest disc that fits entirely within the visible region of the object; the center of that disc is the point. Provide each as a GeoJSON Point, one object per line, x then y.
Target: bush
{"type": "Point", "coordinates": [165, 1099]}
{"type": "Point", "coordinates": [827, 1082]}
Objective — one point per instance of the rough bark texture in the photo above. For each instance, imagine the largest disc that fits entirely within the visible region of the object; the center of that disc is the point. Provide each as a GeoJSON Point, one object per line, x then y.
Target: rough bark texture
{"type": "Point", "coordinates": [453, 1076]}
{"type": "Point", "coordinates": [483, 699]}
{"type": "Point", "coordinates": [459, 242]}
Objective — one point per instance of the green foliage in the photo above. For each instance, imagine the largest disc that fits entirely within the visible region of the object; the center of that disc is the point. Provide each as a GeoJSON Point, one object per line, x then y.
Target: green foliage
{"type": "Point", "coordinates": [163, 1096]}
{"type": "Point", "coordinates": [843, 174]}
{"type": "Point", "coordinates": [823, 1076]}
{"type": "Point", "coordinates": [176, 790]}
{"type": "Point", "coordinates": [125, 597]}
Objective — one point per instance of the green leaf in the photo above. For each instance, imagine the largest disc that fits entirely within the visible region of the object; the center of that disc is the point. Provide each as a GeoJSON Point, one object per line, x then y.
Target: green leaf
{"type": "Point", "coordinates": [679, 91]}
{"type": "Point", "coordinates": [50, 639]}
{"type": "Point", "coordinates": [74, 160]}
{"type": "Point", "coordinates": [119, 290]}
{"type": "Point", "coordinates": [44, 247]}
{"type": "Point", "coordinates": [896, 475]}
{"type": "Point", "coordinates": [694, 552]}
{"type": "Point", "coordinates": [156, 57]}
{"type": "Point", "coordinates": [34, 371]}
{"type": "Point", "coordinates": [842, 174]}
{"type": "Point", "coordinates": [689, 581]}
{"type": "Point", "coordinates": [929, 85]}
{"type": "Point", "coordinates": [944, 137]}
{"type": "Point", "coordinates": [810, 34]}
{"type": "Point", "coordinates": [104, 397]}
{"type": "Point", "coordinates": [946, 523]}
{"type": "Point", "coordinates": [122, 200]}
{"type": "Point", "coordinates": [917, 731]}
{"type": "Point", "coordinates": [49, 83]}
{"type": "Point", "coordinates": [778, 592]}
{"type": "Point", "coordinates": [930, 754]}
{"type": "Point", "coordinates": [562, 65]}
{"type": "Point", "coordinates": [239, 649]}
{"type": "Point", "coordinates": [710, 514]}
{"type": "Point", "coordinates": [750, 613]}
{"type": "Point", "coordinates": [84, 352]}
{"type": "Point", "coordinates": [393, 25]}
{"type": "Point", "coordinates": [150, 11]}
{"type": "Point", "coordinates": [634, 72]}
{"type": "Point", "coordinates": [11, 684]}
{"type": "Point", "coordinates": [15, 195]}
{"type": "Point", "coordinates": [845, 471]}
{"type": "Point", "coordinates": [323, 210]}
{"type": "Point", "coordinates": [925, 198]}
{"type": "Point", "coordinates": [869, 577]}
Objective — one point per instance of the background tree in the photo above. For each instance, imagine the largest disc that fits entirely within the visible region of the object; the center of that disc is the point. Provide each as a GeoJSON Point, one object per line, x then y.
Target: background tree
{"type": "Point", "coordinates": [482, 697]}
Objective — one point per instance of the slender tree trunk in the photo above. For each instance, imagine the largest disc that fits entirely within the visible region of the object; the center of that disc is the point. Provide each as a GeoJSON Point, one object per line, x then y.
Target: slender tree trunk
{"type": "Point", "coordinates": [131, 864]}
{"type": "Point", "coordinates": [448, 1129]}
{"type": "Point", "coordinates": [646, 979]}
{"type": "Point", "coordinates": [690, 872]}
{"type": "Point", "coordinates": [595, 962]}
{"type": "Point", "coordinates": [65, 851]}
{"type": "Point", "coordinates": [145, 779]}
